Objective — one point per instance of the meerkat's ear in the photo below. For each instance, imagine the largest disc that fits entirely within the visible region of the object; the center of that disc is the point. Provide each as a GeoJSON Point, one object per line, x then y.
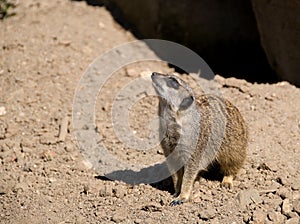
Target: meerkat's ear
{"type": "Point", "coordinates": [186, 103]}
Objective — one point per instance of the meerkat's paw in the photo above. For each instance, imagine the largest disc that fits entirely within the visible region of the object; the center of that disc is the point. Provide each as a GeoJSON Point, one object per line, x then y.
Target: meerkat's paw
{"type": "Point", "coordinates": [177, 202]}
{"type": "Point", "coordinates": [180, 199]}
{"type": "Point", "coordinates": [227, 182]}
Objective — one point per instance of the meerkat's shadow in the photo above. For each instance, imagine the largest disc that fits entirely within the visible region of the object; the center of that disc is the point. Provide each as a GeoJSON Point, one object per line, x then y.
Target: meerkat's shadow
{"type": "Point", "coordinates": [147, 175]}
{"type": "Point", "coordinates": [134, 177]}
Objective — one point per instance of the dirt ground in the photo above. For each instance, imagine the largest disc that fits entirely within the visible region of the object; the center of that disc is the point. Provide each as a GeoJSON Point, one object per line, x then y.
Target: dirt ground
{"type": "Point", "coordinates": [45, 48]}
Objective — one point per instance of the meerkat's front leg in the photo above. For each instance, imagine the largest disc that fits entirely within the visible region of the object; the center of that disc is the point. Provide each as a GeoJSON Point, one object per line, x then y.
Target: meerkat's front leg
{"type": "Point", "coordinates": [189, 176]}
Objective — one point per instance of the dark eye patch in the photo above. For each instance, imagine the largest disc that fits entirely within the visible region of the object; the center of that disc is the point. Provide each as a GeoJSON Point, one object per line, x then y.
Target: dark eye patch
{"type": "Point", "coordinates": [171, 82]}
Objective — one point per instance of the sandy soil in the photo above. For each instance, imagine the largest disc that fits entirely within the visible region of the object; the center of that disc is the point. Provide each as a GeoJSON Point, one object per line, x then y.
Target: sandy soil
{"type": "Point", "coordinates": [45, 48]}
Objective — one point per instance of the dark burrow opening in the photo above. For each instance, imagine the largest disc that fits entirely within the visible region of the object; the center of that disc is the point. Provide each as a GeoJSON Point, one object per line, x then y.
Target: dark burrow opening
{"type": "Point", "coordinates": [239, 56]}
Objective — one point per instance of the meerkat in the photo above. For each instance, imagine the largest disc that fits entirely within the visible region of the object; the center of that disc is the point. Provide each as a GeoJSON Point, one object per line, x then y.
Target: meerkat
{"type": "Point", "coordinates": [197, 132]}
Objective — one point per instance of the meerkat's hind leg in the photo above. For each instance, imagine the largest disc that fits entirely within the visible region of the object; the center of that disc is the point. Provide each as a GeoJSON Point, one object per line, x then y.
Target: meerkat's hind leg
{"type": "Point", "coordinates": [227, 181]}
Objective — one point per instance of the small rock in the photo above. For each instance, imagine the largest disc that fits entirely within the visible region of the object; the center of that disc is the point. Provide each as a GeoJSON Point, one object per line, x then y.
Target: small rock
{"type": "Point", "coordinates": [286, 207]}
{"type": "Point", "coordinates": [106, 191]}
{"type": "Point", "coordinates": [28, 167]}
{"type": "Point", "coordinates": [276, 217]}
{"type": "Point", "coordinates": [100, 213]}
{"type": "Point", "coordinates": [86, 188]}
{"type": "Point", "coordinates": [292, 215]}
{"type": "Point", "coordinates": [120, 192]}
{"type": "Point", "coordinates": [295, 220]}
{"type": "Point", "coordinates": [159, 152]}
{"type": "Point", "coordinates": [197, 197]}
{"type": "Point", "coordinates": [52, 180]}
{"type": "Point", "coordinates": [153, 207]}
{"type": "Point", "coordinates": [2, 111]}
{"type": "Point", "coordinates": [295, 185]}
{"type": "Point", "coordinates": [296, 206]}
{"type": "Point", "coordinates": [282, 180]}
{"type": "Point", "coordinates": [296, 195]}
{"type": "Point", "coordinates": [246, 218]}
{"type": "Point", "coordinates": [268, 166]}
{"type": "Point", "coordinates": [130, 72]}
{"type": "Point", "coordinates": [246, 197]}
{"type": "Point", "coordinates": [207, 214]}
{"type": "Point", "coordinates": [284, 193]}
{"type": "Point", "coordinates": [19, 188]}
{"type": "Point", "coordinates": [138, 221]}
{"type": "Point", "coordinates": [259, 217]}
{"type": "Point", "coordinates": [48, 155]}
{"type": "Point", "coordinates": [118, 217]}
{"type": "Point", "coordinates": [5, 188]}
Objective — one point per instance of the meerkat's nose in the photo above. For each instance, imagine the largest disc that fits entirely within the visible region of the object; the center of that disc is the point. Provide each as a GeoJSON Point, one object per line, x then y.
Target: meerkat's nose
{"type": "Point", "coordinates": [153, 74]}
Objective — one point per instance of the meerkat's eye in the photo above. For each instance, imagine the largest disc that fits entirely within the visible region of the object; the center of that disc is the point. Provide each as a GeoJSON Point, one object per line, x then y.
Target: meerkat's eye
{"type": "Point", "coordinates": [171, 82]}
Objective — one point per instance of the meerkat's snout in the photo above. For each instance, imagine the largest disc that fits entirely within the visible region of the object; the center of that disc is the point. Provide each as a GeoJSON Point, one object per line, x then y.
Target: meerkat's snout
{"type": "Point", "coordinates": [173, 90]}
{"type": "Point", "coordinates": [158, 82]}
{"type": "Point", "coordinates": [154, 74]}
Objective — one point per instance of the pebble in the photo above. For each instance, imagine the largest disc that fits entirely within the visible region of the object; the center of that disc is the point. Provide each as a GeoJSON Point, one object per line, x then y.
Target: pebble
{"type": "Point", "coordinates": [5, 188]}
{"type": "Point", "coordinates": [296, 195]}
{"type": "Point", "coordinates": [295, 185]}
{"type": "Point", "coordinates": [52, 180]}
{"type": "Point", "coordinates": [19, 188]}
{"type": "Point", "coordinates": [246, 218]}
{"type": "Point", "coordinates": [130, 72]}
{"type": "Point", "coordinates": [296, 206]}
{"type": "Point", "coordinates": [117, 218]}
{"type": "Point", "coordinates": [246, 197]}
{"type": "Point", "coordinates": [86, 188]}
{"type": "Point", "coordinates": [284, 193]}
{"type": "Point", "coordinates": [259, 217]}
{"type": "Point", "coordinates": [28, 167]}
{"type": "Point", "coordinates": [120, 192]}
{"type": "Point", "coordinates": [268, 166]}
{"type": "Point", "coordinates": [276, 217]}
{"type": "Point", "coordinates": [286, 207]}
{"type": "Point", "coordinates": [207, 214]}
{"type": "Point", "coordinates": [283, 180]}
{"type": "Point", "coordinates": [295, 220]}
{"type": "Point", "coordinates": [153, 207]}
{"type": "Point", "coordinates": [292, 215]}
{"type": "Point", "coordinates": [2, 111]}
{"type": "Point", "coordinates": [106, 191]}
{"type": "Point", "coordinates": [138, 221]}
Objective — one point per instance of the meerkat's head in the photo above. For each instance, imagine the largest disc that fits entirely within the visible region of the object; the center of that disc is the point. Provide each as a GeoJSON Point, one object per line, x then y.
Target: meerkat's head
{"type": "Point", "coordinates": [173, 91]}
